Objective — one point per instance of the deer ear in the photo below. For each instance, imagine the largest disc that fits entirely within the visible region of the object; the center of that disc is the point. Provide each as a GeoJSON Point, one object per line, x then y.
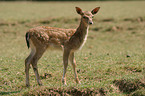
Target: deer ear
{"type": "Point", "coordinates": [79, 10]}
{"type": "Point", "coordinates": [94, 11]}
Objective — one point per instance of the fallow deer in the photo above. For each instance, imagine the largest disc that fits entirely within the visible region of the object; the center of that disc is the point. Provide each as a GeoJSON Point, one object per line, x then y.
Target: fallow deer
{"type": "Point", "coordinates": [69, 40]}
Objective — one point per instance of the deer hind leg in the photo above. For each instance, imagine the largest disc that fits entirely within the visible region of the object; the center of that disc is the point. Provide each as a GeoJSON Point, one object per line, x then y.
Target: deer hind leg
{"type": "Point", "coordinates": [34, 61]}
{"type": "Point", "coordinates": [73, 62]}
{"type": "Point", "coordinates": [27, 64]}
{"type": "Point", "coordinates": [65, 63]}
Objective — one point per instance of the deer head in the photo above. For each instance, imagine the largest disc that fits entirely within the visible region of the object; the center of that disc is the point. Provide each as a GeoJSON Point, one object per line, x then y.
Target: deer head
{"type": "Point", "coordinates": [87, 16]}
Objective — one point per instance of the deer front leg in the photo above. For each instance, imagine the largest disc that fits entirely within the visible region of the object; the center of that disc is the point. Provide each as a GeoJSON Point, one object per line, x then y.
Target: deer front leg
{"type": "Point", "coordinates": [65, 64]}
{"type": "Point", "coordinates": [73, 62]}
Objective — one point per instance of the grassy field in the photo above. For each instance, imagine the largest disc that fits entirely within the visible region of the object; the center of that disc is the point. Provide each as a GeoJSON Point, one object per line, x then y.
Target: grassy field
{"type": "Point", "coordinates": [111, 63]}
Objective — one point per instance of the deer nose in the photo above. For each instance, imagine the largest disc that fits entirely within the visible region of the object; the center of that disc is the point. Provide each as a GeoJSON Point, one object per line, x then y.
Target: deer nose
{"type": "Point", "coordinates": [90, 23]}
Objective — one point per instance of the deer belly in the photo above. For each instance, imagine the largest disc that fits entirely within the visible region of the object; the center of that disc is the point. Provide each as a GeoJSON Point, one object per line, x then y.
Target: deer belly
{"type": "Point", "coordinates": [55, 47]}
{"type": "Point", "coordinates": [55, 44]}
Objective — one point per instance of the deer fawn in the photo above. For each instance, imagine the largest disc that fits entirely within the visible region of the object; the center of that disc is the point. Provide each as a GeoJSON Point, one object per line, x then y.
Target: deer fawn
{"type": "Point", "coordinates": [70, 40]}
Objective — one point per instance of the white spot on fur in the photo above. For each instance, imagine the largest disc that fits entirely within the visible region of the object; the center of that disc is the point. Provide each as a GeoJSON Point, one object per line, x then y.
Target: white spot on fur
{"type": "Point", "coordinates": [85, 39]}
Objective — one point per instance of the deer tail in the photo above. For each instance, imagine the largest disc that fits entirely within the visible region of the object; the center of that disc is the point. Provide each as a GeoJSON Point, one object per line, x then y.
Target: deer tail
{"type": "Point", "coordinates": [27, 36]}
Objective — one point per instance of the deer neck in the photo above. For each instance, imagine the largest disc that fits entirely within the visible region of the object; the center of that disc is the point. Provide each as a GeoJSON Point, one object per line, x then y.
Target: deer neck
{"type": "Point", "coordinates": [81, 34]}
{"type": "Point", "coordinates": [79, 38]}
{"type": "Point", "coordinates": [82, 30]}
{"type": "Point", "coordinates": [83, 27]}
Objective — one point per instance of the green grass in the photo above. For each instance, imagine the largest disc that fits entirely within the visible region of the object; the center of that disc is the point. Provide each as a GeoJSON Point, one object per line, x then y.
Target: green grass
{"type": "Point", "coordinates": [113, 55]}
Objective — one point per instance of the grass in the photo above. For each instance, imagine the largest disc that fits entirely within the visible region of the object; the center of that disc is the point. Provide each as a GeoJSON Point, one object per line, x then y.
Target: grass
{"type": "Point", "coordinates": [112, 57]}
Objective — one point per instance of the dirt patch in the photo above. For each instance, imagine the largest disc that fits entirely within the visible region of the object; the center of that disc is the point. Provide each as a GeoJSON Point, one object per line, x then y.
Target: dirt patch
{"type": "Point", "coordinates": [64, 20]}
{"type": "Point", "coordinates": [131, 28]}
{"type": "Point", "coordinates": [108, 20]}
{"type": "Point", "coordinates": [128, 86]}
{"type": "Point", "coordinates": [97, 29]}
{"type": "Point", "coordinates": [8, 24]}
{"type": "Point", "coordinates": [67, 92]}
{"type": "Point", "coordinates": [46, 75]}
{"type": "Point", "coordinates": [44, 21]}
{"type": "Point", "coordinates": [3, 23]}
{"type": "Point", "coordinates": [114, 28]}
{"type": "Point", "coordinates": [128, 19]}
{"type": "Point", "coordinates": [138, 19]}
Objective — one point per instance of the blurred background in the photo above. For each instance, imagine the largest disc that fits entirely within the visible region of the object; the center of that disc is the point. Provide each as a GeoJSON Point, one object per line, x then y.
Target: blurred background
{"type": "Point", "coordinates": [71, 0]}
{"type": "Point", "coordinates": [111, 63]}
